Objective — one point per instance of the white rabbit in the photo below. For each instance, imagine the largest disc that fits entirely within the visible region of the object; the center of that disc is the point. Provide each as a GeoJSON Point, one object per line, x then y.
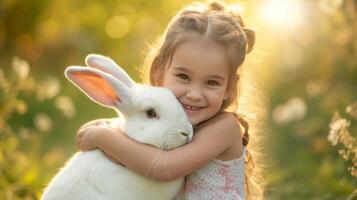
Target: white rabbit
{"type": "Point", "coordinates": [150, 115]}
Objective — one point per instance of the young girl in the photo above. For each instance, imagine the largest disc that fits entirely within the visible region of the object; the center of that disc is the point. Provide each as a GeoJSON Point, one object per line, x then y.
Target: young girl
{"type": "Point", "coordinates": [197, 59]}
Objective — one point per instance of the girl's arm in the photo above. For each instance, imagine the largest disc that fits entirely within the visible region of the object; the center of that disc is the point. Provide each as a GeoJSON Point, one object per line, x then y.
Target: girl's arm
{"type": "Point", "coordinates": [208, 143]}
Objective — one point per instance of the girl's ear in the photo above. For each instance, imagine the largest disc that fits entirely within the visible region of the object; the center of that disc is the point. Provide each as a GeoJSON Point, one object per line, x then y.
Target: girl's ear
{"type": "Point", "coordinates": [107, 65]}
{"type": "Point", "coordinates": [99, 86]}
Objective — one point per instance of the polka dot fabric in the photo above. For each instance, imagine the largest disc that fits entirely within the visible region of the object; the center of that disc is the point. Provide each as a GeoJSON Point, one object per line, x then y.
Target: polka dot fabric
{"type": "Point", "coordinates": [217, 180]}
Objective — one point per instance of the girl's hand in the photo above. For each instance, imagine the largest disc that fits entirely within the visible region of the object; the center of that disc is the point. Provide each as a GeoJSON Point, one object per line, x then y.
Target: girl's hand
{"type": "Point", "coordinates": [86, 137]}
{"type": "Point", "coordinates": [95, 122]}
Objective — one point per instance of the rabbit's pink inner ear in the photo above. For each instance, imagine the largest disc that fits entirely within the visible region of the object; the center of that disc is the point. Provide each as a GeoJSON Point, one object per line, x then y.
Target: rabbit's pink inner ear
{"type": "Point", "coordinates": [96, 86]}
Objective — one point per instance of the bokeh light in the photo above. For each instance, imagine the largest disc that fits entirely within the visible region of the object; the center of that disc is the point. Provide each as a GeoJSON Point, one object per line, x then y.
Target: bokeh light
{"type": "Point", "coordinates": [282, 13]}
{"type": "Point", "coordinates": [117, 27]}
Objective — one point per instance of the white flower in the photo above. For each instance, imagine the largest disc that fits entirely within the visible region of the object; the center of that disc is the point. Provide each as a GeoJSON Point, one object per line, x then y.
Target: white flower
{"type": "Point", "coordinates": [293, 110]}
{"type": "Point", "coordinates": [21, 67]}
{"type": "Point", "coordinates": [43, 122]}
{"type": "Point", "coordinates": [352, 110]}
{"type": "Point", "coordinates": [336, 127]}
{"type": "Point", "coordinates": [65, 104]}
{"type": "Point", "coordinates": [48, 88]}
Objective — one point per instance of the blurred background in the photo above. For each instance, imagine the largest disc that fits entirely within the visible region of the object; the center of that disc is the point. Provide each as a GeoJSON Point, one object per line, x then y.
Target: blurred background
{"type": "Point", "coordinates": [304, 61]}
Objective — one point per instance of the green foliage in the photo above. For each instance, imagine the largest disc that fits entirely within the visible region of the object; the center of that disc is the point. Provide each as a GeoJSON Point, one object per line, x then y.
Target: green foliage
{"type": "Point", "coordinates": [25, 124]}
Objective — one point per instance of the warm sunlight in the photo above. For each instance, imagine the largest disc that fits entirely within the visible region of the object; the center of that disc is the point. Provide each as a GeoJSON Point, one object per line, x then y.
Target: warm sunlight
{"type": "Point", "coordinates": [283, 14]}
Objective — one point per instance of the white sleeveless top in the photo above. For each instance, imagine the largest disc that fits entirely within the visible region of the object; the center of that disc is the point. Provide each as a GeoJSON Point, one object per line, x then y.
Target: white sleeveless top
{"type": "Point", "coordinates": [217, 180]}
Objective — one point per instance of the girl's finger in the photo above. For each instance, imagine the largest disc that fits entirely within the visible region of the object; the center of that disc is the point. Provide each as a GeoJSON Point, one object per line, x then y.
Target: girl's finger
{"type": "Point", "coordinates": [83, 129]}
{"type": "Point", "coordinates": [80, 134]}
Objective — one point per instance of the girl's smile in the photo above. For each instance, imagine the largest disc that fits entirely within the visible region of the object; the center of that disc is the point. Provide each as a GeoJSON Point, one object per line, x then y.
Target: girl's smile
{"type": "Point", "coordinates": [191, 110]}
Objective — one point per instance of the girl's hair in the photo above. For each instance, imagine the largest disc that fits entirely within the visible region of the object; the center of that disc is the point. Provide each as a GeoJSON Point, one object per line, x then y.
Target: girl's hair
{"type": "Point", "coordinates": [214, 21]}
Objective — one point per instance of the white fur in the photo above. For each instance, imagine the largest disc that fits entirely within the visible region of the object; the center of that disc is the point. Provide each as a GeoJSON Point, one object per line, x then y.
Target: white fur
{"type": "Point", "coordinates": [90, 175]}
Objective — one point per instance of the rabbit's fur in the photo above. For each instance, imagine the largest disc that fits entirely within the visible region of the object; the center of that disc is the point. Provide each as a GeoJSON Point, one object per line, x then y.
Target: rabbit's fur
{"type": "Point", "coordinates": [90, 175]}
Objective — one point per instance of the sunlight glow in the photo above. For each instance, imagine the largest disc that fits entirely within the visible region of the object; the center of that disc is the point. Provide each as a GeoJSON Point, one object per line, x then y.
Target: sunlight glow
{"type": "Point", "coordinates": [284, 14]}
{"type": "Point", "coordinates": [238, 8]}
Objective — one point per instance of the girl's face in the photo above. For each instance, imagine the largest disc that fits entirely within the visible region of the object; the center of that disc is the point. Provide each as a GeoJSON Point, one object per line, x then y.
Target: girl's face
{"type": "Point", "coordinates": [198, 76]}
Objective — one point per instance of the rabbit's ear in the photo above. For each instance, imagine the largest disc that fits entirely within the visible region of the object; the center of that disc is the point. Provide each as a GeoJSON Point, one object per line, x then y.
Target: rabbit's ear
{"type": "Point", "coordinates": [99, 86]}
{"type": "Point", "coordinates": [107, 65]}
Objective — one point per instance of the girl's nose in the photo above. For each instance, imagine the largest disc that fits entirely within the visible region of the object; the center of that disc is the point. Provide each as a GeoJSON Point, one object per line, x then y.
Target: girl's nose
{"type": "Point", "coordinates": [194, 94]}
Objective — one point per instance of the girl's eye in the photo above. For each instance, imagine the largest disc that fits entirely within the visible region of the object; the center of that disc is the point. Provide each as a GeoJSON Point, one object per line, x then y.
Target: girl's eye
{"type": "Point", "coordinates": [212, 82]}
{"type": "Point", "coordinates": [183, 76]}
{"type": "Point", "coordinates": [150, 113]}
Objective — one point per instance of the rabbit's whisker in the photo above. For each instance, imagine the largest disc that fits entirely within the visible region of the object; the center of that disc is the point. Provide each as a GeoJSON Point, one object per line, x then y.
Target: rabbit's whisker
{"type": "Point", "coordinates": [167, 164]}
{"type": "Point", "coordinates": [152, 163]}
{"type": "Point", "coordinates": [155, 165]}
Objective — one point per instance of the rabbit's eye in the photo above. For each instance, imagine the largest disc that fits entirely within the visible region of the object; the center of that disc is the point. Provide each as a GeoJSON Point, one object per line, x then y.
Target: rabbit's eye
{"type": "Point", "coordinates": [150, 113]}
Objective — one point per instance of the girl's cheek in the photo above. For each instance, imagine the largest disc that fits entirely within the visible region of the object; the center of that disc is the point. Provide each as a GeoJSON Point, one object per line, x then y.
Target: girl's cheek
{"type": "Point", "coordinates": [217, 93]}
{"type": "Point", "coordinates": [177, 89]}
{"type": "Point", "coordinates": [174, 87]}
{"type": "Point", "coordinates": [216, 97]}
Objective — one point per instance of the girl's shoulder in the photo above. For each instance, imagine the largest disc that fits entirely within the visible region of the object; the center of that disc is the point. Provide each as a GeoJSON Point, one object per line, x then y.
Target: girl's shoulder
{"type": "Point", "coordinates": [224, 125]}
{"type": "Point", "coordinates": [225, 129]}
{"type": "Point", "coordinates": [226, 119]}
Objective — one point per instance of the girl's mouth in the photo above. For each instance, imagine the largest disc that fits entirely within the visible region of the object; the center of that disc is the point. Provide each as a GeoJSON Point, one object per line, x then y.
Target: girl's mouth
{"type": "Point", "coordinates": [191, 108]}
